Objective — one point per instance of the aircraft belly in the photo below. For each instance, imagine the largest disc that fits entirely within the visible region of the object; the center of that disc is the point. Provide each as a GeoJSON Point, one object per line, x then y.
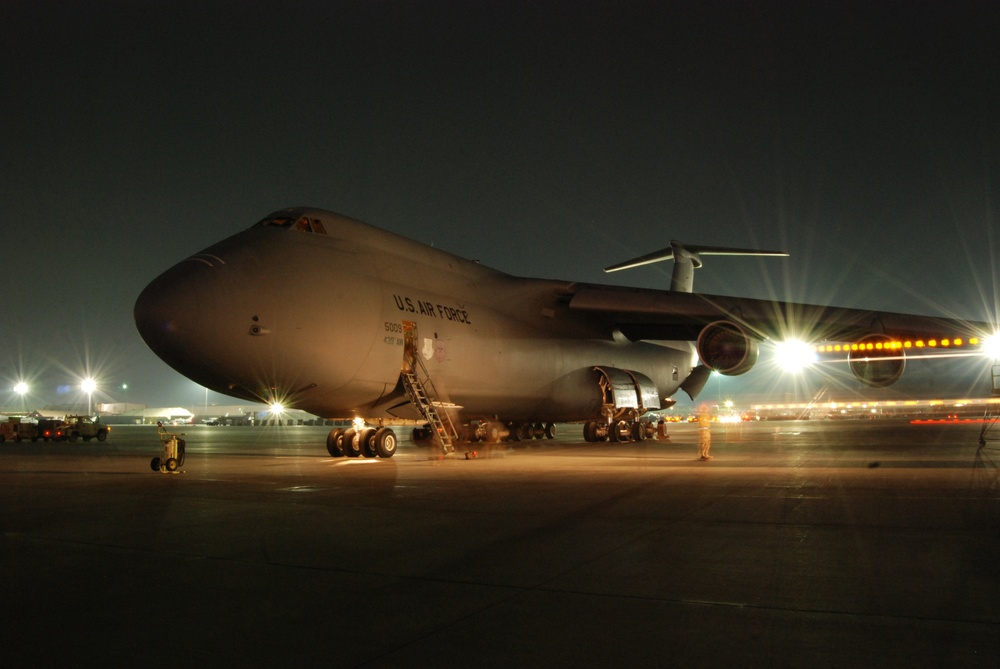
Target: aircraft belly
{"type": "Point", "coordinates": [552, 379]}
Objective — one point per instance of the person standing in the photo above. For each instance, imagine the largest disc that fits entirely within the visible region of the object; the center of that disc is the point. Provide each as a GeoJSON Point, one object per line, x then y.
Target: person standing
{"type": "Point", "coordinates": [704, 432]}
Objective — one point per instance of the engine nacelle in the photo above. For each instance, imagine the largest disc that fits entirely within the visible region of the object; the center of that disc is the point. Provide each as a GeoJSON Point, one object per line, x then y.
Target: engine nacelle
{"type": "Point", "coordinates": [876, 364]}
{"type": "Point", "coordinates": [727, 348]}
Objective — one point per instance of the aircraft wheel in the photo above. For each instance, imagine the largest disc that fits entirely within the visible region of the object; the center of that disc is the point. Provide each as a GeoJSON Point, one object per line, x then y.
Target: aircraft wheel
{"type": "Point", "coordinates": [366, 442]}
{"type": "Point", "coordinates": [334, 442]}
{"type": "Point", "coordinates": [154, 464]}
{"type": "Point", "coordinates": [171, 465]}
{"type": "Point", "coordinates": [492, 433]}
{"type": "Point", "coordinates": [550, 430]}
{"type": "Point", "coordinates": [638, 431]}
{"type": "Point", "coordinates": [352, 448]}
{"type": "Point", "coordinates": [385, 442]}
{"type": "Point", "coordinates": [590, 431]}
{"type": "Point", "coordinates": [516, 434]}
{"type": "Point", "coordinates": [538, 431]}
{"type": "Point", "coordinates": [619, 431]}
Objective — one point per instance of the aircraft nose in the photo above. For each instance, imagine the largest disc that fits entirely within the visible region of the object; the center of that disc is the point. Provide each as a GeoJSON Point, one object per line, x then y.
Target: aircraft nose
{"type": "Point", "coordinates": [186, 316]}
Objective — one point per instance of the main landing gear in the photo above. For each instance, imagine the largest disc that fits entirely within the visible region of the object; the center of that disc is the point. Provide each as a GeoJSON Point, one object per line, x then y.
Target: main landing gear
{"type": "Point", "coordinates": [367, 441]}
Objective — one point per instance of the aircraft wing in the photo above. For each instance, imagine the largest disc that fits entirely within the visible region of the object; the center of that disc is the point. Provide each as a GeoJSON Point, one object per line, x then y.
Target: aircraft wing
{"type": "Point", "coordinates": [657, 314]}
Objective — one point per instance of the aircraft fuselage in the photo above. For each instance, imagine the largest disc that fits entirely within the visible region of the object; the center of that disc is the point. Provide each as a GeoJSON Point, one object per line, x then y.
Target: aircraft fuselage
{"type": "Point", "coordinates": [324, 317]}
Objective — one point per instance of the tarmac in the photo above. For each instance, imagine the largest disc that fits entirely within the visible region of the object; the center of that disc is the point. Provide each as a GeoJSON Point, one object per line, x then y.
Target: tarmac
{"type": "Point", "coordinates": [802, 543]}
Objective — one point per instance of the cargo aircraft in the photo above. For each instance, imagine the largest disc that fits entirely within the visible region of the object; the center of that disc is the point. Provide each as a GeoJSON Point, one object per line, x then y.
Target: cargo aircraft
{"type": "Point", "coordinates": [318, 311]}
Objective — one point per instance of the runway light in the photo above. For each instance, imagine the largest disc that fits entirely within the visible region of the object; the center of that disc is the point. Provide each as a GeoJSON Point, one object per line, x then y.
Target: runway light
{"type": "Point", "coordinates": [794, 355]}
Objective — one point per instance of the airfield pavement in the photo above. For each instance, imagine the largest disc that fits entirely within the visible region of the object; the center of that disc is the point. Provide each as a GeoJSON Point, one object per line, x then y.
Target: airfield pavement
{"type": "Point", "coordinates": [802, 544]}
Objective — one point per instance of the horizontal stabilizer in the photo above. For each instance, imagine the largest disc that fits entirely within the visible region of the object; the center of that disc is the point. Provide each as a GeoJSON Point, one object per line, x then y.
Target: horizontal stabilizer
{"type": "Point", "coordinates": [686, 259]}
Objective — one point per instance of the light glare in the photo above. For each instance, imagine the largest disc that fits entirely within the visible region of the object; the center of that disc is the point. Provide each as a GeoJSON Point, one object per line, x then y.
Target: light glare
{"type": "Point", "coordinates": [794, 355]}
{"type": "Point", "coordinates": [991, 346]}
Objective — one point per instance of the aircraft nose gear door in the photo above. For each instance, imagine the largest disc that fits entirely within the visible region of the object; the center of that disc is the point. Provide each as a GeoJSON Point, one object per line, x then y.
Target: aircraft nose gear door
{"type": "Point", "coordinates": [627, 395]}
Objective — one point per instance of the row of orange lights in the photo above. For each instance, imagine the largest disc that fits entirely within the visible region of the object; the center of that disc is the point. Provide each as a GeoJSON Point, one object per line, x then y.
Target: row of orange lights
{"type": "Point", "coordinates": [896, 345]}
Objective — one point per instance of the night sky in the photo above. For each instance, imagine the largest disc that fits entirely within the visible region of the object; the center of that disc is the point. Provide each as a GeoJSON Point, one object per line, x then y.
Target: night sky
{"type": "Point", "coordinates": [543, 138]}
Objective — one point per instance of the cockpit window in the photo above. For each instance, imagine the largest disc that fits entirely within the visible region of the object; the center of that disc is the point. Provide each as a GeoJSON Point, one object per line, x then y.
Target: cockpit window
{"type": "Point", "coordinates": [303, 224]}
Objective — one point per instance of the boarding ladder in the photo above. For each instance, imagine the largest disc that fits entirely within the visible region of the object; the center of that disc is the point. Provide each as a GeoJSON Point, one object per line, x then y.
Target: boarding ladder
{"type": "Point", "coordinates": [421, 393]}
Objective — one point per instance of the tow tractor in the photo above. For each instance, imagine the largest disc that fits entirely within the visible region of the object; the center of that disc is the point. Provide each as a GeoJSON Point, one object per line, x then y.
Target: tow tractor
{"type": "Point", "coordinates": [173, 451]}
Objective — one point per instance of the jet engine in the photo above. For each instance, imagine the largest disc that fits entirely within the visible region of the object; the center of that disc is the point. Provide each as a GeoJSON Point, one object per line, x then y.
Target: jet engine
{"type": "Point", "coordinates": [876, 363]}
{"type": "Point", "coordinates": [727, 348]}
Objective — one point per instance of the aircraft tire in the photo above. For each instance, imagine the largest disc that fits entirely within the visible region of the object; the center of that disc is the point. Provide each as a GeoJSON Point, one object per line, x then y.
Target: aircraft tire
{"type": "Point", "coordinates": [352, 448]}
{"type": "Point", "coordinates": [492, 433]}
{"type": "Point", "coordinates": [638, 431]}
{"type": "Point", "coordinates": [550, 430]}
{"type": "Point", "coordinates": [334, 442]}
{"type": "Point", "coordinates": [366, 442]}
{"type": "Point", "coordinates": [385, 442]}
{"type": "Point", "coordinates": [590, 431]}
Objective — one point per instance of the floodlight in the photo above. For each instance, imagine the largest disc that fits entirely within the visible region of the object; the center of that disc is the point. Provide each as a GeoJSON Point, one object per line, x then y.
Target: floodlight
{"type": "Point", "coordinates": [794, 355]}
{"type": "Point", "coordinates": [991, 346]}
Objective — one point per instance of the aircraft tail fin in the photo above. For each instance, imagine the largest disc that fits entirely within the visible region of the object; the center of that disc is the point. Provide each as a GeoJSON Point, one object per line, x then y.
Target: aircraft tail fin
{"type": "Point", "coordinates": [687, 258]}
